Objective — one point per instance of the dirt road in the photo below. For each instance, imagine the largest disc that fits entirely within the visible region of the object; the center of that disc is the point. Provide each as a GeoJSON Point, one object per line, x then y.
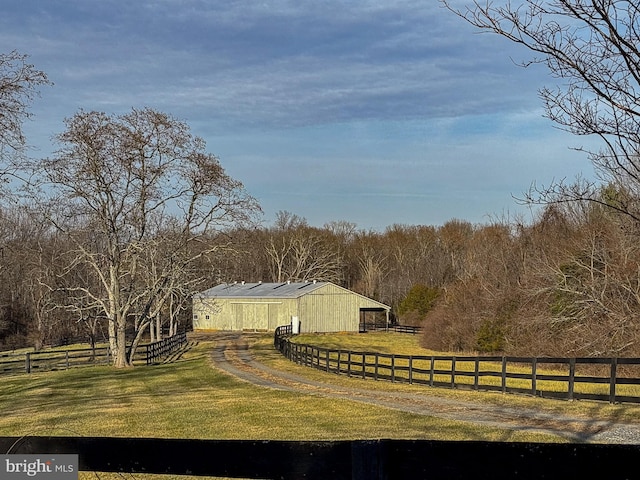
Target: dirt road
{"type": "Point", "coordinates": [232, 355]}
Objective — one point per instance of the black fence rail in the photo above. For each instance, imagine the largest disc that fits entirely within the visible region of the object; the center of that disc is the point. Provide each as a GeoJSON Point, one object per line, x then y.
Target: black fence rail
{"type": "Point", "coordinates": [162, 348]}
{"type": "Point", "coordinates": [336, 460]}
{"type": "Point", "coordinates": [30, 362]}
{"type": "Point", "coordinates": [374, 327]}
{"type": "Point", "coordinates": [605, 379]}
{"type": "Point", "coordinates": [49, 360]}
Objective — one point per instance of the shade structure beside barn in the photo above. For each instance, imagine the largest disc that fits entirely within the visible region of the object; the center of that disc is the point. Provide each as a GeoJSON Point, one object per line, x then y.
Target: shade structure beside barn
{"type": "Point", "coordinates": [318, 306]}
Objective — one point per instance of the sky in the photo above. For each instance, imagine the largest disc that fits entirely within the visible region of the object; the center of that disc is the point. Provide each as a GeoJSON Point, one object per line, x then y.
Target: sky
{"type": "Point", "coordinates": [371, 112]}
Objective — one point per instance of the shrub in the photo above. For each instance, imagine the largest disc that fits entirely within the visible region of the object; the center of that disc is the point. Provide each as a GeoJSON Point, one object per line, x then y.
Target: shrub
{"type": "Point", "coordinates": [419, 301]}
{"type": "Point", "coordinates": [491, 336]}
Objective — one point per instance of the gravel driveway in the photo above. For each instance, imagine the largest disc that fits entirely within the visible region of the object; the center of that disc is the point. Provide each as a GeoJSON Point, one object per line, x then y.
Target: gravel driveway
{"type": "Point", "coordinates": [232, 355]}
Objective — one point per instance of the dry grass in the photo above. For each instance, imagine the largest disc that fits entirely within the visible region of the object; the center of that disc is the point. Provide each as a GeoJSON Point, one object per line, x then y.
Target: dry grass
{"type": "Point", "coordinates": [191, 399]}
{"type": "Point", "coordinates": [403, 344]}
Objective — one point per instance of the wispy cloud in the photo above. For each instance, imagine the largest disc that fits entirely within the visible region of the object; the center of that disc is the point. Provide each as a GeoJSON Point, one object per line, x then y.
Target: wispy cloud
{"type": "Point", "coordinates": [395, 99]}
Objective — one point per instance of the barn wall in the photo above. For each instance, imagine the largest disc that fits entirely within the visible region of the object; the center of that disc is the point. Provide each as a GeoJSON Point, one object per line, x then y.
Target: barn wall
{"type": "Point", "coordinates": [329, 309]}
{"type": "Point", "coordinates": [239, 314]}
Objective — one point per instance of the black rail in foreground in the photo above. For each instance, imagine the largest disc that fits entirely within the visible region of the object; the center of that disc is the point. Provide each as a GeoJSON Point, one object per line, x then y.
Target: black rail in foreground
{"type": "Point", "coordinates": [335, 460]}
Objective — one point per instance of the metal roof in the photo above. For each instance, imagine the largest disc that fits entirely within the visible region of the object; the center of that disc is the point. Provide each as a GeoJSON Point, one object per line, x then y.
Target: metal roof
{"type": "Point", "coordinates": [262, 290]}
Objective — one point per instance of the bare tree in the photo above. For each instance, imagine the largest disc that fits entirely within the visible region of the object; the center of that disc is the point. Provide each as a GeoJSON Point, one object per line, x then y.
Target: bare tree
{"type": "Point", "coordinates": [19, 83]}
{"type": "Point", "coordinates": [299, 252]}
{"type": "Point", "coordinates": [371, 258]}
{"type": "Point", "coordinates": [593, 48]}
{"type": "Point", "coordinates": [115, 187]}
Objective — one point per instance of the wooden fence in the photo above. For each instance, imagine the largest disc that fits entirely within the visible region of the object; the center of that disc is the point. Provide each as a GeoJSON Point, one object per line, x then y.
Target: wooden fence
{"type": "Point", "coordinates": [30, 362]}
{"type": "Point", "coordinates": [337, 460]}
{"type": "Point", "coordinates": [376, 327]}
{"type": "Point", "coordinates": [606, 379]}
{"type": "Point", "coordinates": [160, 349]}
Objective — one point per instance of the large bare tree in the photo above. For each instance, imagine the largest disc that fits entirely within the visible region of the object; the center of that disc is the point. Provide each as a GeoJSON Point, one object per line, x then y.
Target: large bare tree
{"type": "Point", "coordinates": [124, 188]}
{"type": "Point", "coordinates": [593, 48]}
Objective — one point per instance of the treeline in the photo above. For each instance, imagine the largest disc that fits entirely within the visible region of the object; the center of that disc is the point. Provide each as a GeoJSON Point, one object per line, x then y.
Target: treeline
{"type": "Point", "coordinates": [566, 283]}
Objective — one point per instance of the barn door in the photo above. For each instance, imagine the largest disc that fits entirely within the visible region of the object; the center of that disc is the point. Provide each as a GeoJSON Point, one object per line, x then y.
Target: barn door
{"type": "Point", "coordinates": [252, 316]}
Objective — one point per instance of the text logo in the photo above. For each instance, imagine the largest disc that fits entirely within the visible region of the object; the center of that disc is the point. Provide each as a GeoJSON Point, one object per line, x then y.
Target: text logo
{"type": "Point", "coordinates": [39, 467]}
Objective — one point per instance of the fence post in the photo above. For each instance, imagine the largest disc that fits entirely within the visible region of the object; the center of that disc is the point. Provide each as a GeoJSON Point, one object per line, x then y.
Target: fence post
{"type": "Point", "coordinates": [393, 368]}
{"type": "Point", "coordinates": [27, 362]}
{"type": "Point", "coordinates": [613, 380]}
{"type": "Point", "coordinates": [364, 366]}
{"type": "Point", "coordinates": [572, 376]}
{"type": "Point", "coordinates": [433, 362]}
{"type": "Point", "coordinates": [376, 366]}
{"type": "Point", "coordinates": [504, 374]}
{"type": "Point", "coordinates": [410, 369]}
{"type": "Point", "coordinates": [476, 374]}
{"type": "Point", "coordinates": [66, 358]}
{"type": "Point", "coordinates": [534, 371]}
{"type": "Point", "coordinates": [453, 372]}
{"type": "Point", "coordinates": [327, 358]}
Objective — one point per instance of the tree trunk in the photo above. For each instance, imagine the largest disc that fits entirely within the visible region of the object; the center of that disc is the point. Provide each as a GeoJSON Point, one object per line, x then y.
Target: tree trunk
{"type": "Point", "coordinates": [158, 327]}
{"type": "Point", "coordinates": [152, 332]}
{"type": "Point", "coordinates": [137, 339]}
{"type": "Point", "coordinates": [113, 342]}
{"type": "Point", "coordinates": [120, 355]}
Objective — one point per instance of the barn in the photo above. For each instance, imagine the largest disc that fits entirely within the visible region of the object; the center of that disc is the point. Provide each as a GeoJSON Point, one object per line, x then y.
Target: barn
{"type": "Point", "coordinates": [313, 306]}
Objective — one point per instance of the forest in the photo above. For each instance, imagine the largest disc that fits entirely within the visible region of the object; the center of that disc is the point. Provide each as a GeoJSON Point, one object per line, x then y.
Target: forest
{"type": "Point", "coordinates": [566, 283]}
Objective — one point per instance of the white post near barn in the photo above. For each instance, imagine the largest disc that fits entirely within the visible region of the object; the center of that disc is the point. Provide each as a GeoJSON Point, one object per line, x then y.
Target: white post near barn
{"type": "Point", "coordinates": [295, 325]}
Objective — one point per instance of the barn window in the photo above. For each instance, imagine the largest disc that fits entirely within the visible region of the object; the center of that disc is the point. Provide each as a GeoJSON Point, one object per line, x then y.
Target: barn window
{"type": "Point", "coordinates": [207, 317]}
{"type": "Point", "coordinates": [195, 316]}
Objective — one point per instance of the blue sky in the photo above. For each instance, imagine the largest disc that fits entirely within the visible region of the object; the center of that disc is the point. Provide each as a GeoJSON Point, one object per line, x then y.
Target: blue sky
{"type": "Point", "coordinates": [372, 112]}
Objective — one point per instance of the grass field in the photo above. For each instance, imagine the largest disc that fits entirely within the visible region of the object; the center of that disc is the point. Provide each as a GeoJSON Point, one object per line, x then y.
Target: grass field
{"type": "Point", "coordinates": [404, 344]}
{"type": "Point", "coordinates": [191, 399]}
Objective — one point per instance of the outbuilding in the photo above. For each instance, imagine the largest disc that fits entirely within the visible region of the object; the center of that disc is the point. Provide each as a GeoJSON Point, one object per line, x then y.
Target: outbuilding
{"type": "Point", "coordinates": [310, 306]}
